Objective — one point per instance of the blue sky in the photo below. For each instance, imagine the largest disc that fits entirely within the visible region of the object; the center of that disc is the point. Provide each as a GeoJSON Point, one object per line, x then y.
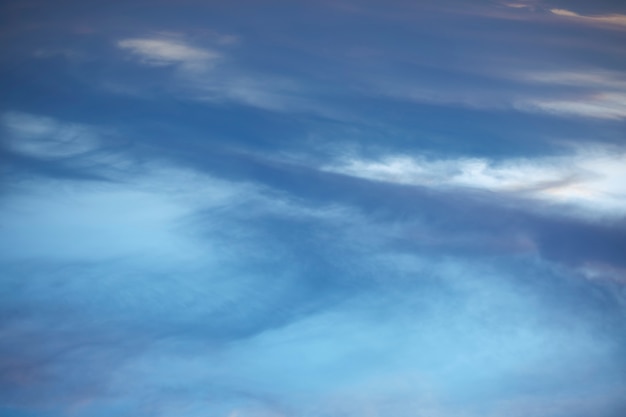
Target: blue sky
{"type": "Point", "coordinates": [313, 209]}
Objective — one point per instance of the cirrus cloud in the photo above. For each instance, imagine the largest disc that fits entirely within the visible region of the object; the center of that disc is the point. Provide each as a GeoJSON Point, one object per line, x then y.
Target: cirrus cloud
{"type": "Point", "coordinates": [163, 51]}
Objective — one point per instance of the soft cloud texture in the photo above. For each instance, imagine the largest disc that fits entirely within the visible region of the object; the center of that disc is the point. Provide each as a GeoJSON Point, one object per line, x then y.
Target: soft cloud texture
{"type": "Point", "coordinates": [157, 51]}
{"type": "Point", "coordinates": [206, 77]}
{"type": "Point", "coordinates": [592, 182]}
{"type": "Point", "coordinates": [44, 137]}
{"type": "Point", "coordinates": [616, 20]}
{"type": "Point", "coordinates": [312, 209]}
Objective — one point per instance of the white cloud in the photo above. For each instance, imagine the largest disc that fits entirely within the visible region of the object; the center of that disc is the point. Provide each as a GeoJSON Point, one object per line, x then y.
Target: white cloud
{"type": "Point", "coordinates": [591, 181]}
{"type": "Point", "coordinates": [162, 51]}
{"type": "Point", "coordinates": [532, 5]}
{"type": "Point", "coordinates": [517, 5]}
{"type": "Point", "coordinates": [611, 20]}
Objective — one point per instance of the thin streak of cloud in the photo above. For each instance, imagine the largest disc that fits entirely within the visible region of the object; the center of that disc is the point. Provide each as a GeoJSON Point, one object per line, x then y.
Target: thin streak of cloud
{"type": "Point", "coordinates": [593, 78]}
{"type": "Point", "coordinates": [162, 51]}
{"type": "Point", "coordinates": [593, 94]}
{"type": "Point", "coordinates": [603, 94]}
{"type": "Point", "coordinates": [516, 5]}
{"type": "Point", "coordinates": [45, 137]}
{"type": "Point", "coordinates": [85, 150]}
{"type": "Point", "coordinates": [605, 272]}
{"type": "Point", "coordinates": [612, 20]}
{"type": "Point", "coordinates": [607, 106]}
{"type": "Point", "coordinates": [589, 181]}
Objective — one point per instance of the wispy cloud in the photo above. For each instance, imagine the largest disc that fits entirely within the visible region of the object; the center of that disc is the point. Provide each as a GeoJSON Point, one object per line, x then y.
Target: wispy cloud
{"type": "Point", "coordinates": [604, 271]}
{"type": "Point", "coordinates": [207, 76]}
{"type": "Point", "coordinates": [600, 105]}
{"type": "Point", "coordinates": [617, 21]}
{"type": "Point", "coordinates": [590, 77]}
{"type": "Point", "coordinates": [592, 181]}
{"type": "Point", "coordinates": [67, 148]}
{"type": "Point", "coordinates": [164, 51]}
{"type": "Point", "coordinates": [45, 137]}
{"type": "Point", "coordinates": [601, 94]}
{"type": "Point", "coordinates": [591, 94]}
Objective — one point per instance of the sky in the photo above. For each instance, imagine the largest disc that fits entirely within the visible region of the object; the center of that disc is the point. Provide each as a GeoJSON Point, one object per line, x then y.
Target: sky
{"type": "Point", "coordinates": [347, 208]}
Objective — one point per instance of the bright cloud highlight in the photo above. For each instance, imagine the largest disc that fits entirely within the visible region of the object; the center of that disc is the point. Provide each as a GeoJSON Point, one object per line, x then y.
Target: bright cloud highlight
{"type": "Point", "coordinates": [159, 52]}
{"type": "Point", "coordinates": [591, 181]}
{"type": "Point", "coordinates": [612, 20]}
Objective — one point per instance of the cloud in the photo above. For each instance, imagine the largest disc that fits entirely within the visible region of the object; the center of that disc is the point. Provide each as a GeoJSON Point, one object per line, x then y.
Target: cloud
{"type": "Point", "coordinates": [139, 210]}
{"type": "Point", "coordinates": [45, 137]}
{"type": "Point", "coordinates": [181, 291]}
{"type": "Point", "coordinates": [203, 80]}
{"type": "Point", "coordinates": [604, 271]}
{"type": "Point", "coordinates": [601, 106]}
{"type": "Point", "coordinates": [617, 21]}
{"type": "Point", "coordinates": [452, 333]}
{"type": "Point", "coordinates": [205, 273]}
{"type": "Point", "coordinates": [590, 93]}
{"type": "Point", "coordinates": [517, 5]}
{"type": "Point", "coordinates": [63, 149]}
{"type": "Point", "coordinates": [590, 182]}
{"type": "Point", "coordinates": [262, 91]}
{"type": "Point", "coordinates": [597, 94]}
{"type": "Point", "coordinates": [591, 77]}
{"type": "Point", "coordinates": [162, 51]}
{"type": "Point", "coordinates": [96, 223]}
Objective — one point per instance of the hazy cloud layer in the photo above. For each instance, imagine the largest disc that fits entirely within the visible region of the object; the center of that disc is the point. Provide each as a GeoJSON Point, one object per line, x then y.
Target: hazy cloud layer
{"type": "Point", "coordinates": [313, 209]}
